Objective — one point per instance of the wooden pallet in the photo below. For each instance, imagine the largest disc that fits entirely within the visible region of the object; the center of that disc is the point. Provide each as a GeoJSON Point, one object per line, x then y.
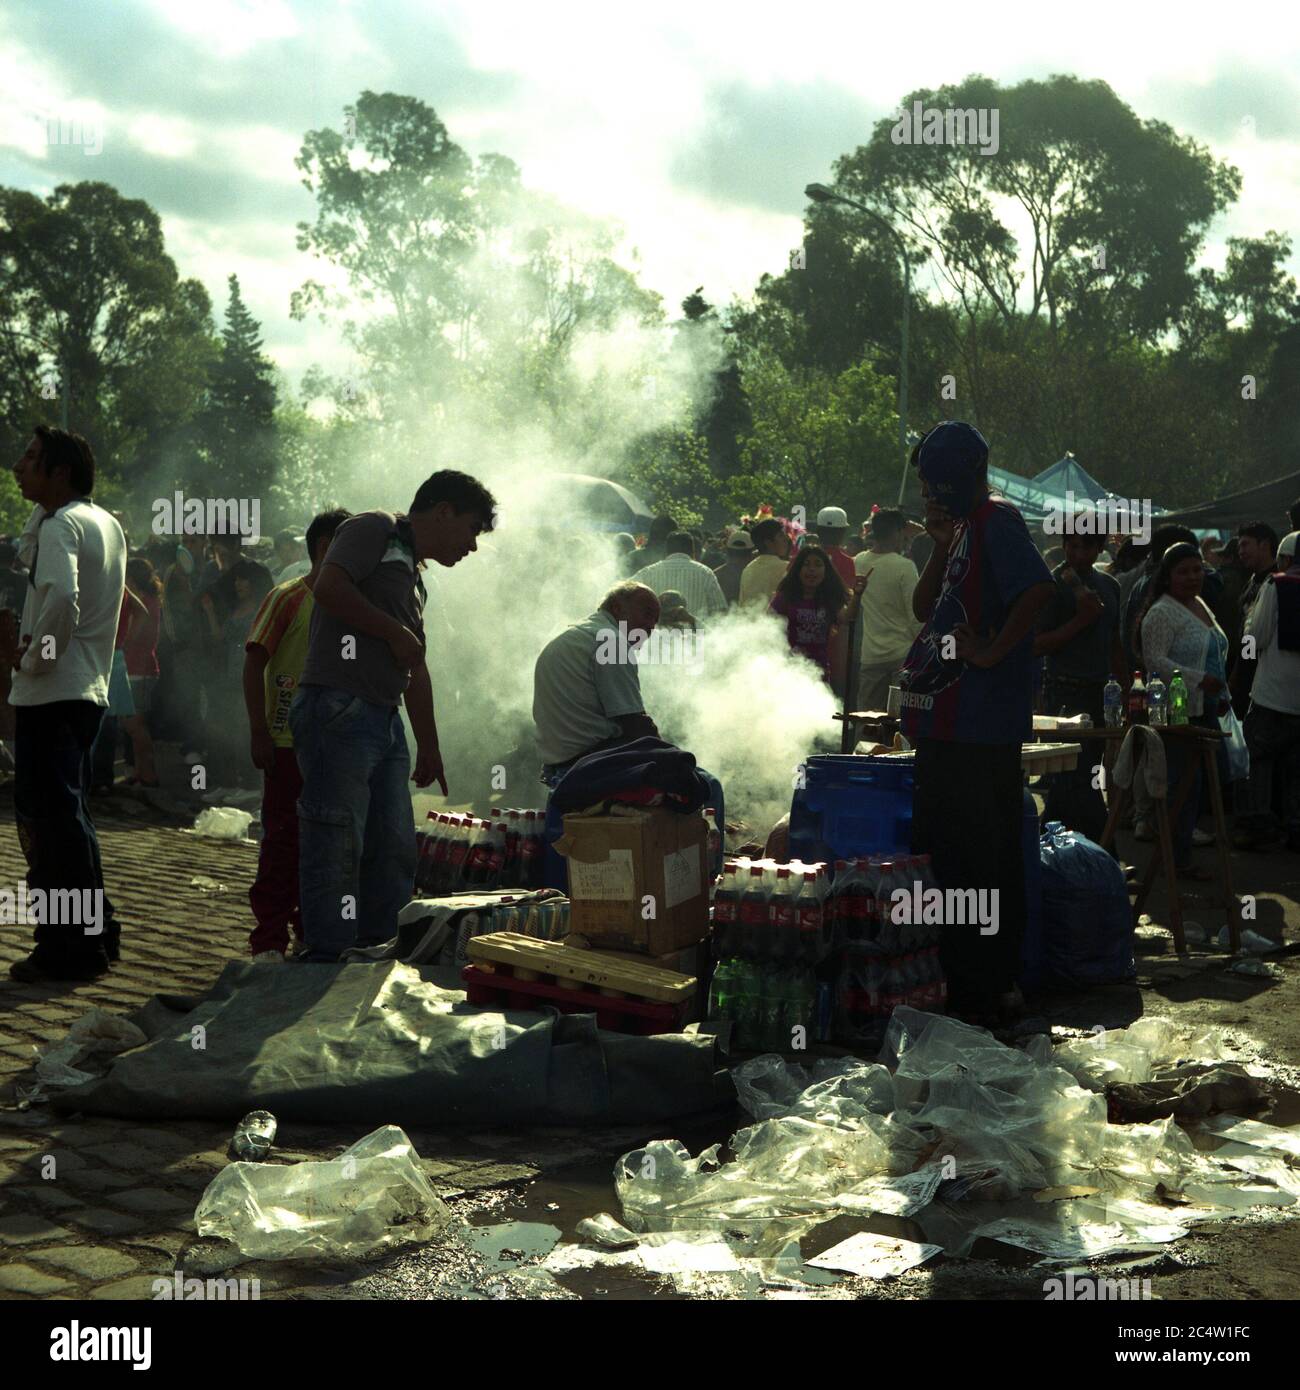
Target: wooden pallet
{"type": "Point", "coordinates": [528, 958]}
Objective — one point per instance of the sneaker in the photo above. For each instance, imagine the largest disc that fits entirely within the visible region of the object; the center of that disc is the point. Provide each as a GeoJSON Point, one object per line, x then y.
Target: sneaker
{"type": "Point", "coordinates": [1142, 831]}
{"type": "Point", "coordinates": [1201, 838]}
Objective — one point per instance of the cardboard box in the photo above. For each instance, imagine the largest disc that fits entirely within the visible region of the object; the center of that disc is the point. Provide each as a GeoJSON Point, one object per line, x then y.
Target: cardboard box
{"type": "Point", "coordinates": [637, 882]}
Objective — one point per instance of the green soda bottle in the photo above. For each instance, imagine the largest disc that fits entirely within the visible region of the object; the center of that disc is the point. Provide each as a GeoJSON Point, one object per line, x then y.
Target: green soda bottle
{"type": "Point", "coordinates": [1177, 699]}
{"type": "Point", "coordinates": [722, 992]}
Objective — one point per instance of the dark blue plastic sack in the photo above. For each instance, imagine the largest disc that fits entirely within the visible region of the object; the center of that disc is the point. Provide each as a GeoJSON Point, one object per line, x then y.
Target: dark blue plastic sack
{"type": "Point", "coordinates": [1087, 921]}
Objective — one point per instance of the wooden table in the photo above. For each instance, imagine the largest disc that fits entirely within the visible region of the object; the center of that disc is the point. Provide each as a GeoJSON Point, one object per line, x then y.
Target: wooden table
{"type": "Point", "coordinates": [1035, 758]}
{"type": "Point", "coordinates": [1163, 856]}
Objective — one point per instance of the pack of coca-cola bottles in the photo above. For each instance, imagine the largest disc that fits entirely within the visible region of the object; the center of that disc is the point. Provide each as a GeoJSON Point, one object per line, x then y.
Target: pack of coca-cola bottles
{"type": "Point", "coordinates": [884, 953]}
{"type": "Point", "coordinates": [461, 853]}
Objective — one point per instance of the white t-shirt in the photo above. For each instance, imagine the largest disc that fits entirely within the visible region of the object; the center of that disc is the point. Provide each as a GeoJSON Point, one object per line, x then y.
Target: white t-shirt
{"type": "Point", "coordinates": [72, 604]}
{"type": "Point", "coordinates": [583, 681]}
{"type": "Point", "coordinates": [1277, 677]}
{"type": "Point", "coordinates": [888, 625]}
{"type": "Point", "coordinates": [760, 580]}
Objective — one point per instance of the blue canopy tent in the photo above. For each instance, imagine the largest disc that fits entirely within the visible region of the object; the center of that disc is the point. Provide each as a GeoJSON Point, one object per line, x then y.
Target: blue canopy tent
{"type": "Point", "coordinates": [1069, 475]}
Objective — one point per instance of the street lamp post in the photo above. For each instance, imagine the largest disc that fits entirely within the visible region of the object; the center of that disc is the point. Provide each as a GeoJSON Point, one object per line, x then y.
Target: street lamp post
{"type": "Point", "coordinates": [819, 193]}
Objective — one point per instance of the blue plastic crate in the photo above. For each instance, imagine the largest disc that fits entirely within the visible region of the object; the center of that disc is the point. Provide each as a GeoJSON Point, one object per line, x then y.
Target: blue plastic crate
{"type": "Point", "coordinates": [851, 806]}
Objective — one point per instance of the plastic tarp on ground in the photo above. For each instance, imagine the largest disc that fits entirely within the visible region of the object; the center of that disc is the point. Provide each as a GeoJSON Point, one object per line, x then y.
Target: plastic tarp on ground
{"type": "Point", "coordinates": [386, 1044]}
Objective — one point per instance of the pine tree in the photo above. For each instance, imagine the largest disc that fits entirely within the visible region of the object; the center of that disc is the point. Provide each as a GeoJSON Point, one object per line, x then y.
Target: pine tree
{"type": "Point", "coordinates": [238, 425]}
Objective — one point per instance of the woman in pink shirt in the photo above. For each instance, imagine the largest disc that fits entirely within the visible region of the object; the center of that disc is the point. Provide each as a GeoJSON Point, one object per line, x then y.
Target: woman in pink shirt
{"type": "Point", "coordinates": [815, 605]}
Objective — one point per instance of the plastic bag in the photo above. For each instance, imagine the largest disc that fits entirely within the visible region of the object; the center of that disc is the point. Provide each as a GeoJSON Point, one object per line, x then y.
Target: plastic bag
{"type": "Point", "coordinates": [1087, 922]}
{"type": "Point", "coordinates": [1235, 746]}
{"type": "Point", "coordinates": [223, 823]}
{"type": "Point", "coordinates": [374, 1194]}
{"type": "Point", "coordinates": [95, 1031]}
{"type": "Point", "coordinates": [843, 1090]}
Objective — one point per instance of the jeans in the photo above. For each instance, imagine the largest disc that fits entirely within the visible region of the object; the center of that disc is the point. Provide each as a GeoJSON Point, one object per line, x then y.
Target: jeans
{"type": "Point", "coordinates": [52, 746]}
{"type": "Point", "coordinates": [1273, 738]}
{"type": "Point", "coordinates": [356, 828]}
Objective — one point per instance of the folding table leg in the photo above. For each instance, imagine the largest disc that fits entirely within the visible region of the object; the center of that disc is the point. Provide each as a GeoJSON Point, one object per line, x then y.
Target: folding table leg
{"type": "Point", "coordinates": [1165, 817]}
{"type": "Point", "coordinates": [1230, 901]}
{"type": "Point", "coordinates": [1119, 802]}
{"type": "Point", "coordinates": [1171, 876]}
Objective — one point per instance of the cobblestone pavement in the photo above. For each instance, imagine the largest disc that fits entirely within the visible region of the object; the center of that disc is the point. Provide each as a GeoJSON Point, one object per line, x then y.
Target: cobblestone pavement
{"type": "Point", "coordinates": [116, 1209]}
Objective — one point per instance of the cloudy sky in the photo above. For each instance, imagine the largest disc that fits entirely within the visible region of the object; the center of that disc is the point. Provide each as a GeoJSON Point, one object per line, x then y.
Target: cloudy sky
{"type": "Point", "coordinates": [694, 124]}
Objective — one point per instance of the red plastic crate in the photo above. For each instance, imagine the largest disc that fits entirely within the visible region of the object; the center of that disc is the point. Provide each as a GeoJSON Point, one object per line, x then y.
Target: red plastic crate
{"type": "Point", "coordinates": [498, 990]}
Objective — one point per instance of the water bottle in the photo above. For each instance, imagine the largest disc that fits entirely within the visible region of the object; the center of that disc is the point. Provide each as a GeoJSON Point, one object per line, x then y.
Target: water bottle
{"type": "Point", "coordinates": [254, 1136]}
{"type": "Point", "coordinates": [1177, 699]}
{"type": "Point", "coordinates": [1157, 703]}
{"type": "Point", "coordinates": [1113, 698]}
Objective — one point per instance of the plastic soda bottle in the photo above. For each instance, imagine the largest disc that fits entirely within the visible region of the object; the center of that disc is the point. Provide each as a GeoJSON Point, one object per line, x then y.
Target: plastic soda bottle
{"type": "Point", "coordinates": [253, 1136]}
{"type": "Point", "coordinates": [1137, 700]}
{"type": "Point", "coordinates": [1157, 706]}
{"type": "Point", "coordinates": [1113, 700]}
{"type": "Point", "coordinates": [1177, 699]}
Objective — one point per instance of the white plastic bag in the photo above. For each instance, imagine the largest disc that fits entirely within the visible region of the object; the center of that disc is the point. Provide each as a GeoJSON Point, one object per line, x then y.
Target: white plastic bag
{"type": "Point", "coordinates": [223, 823]}
{"type": "Point", "coordinates": [1235, 747]}
{"type": "Point", "coordinates": [374, 1194]}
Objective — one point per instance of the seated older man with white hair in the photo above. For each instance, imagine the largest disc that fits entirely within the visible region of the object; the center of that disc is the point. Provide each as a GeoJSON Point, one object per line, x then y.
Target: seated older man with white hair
{"type": "Point", "coordinates": [587, 695]}
{"type": "Point", "coordinates": [586, 684]}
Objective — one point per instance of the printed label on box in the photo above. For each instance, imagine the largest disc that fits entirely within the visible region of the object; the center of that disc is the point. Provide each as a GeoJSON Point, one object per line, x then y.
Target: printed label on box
{"type": "Point", "coordinates": [611, 880]}
{"type": "Point", "coordinates": [681, 876]}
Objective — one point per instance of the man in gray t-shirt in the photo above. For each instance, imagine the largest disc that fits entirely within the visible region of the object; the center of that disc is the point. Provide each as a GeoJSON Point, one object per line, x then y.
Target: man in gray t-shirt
{"type": "Point", "coordinates": [365, 653]}
{"type": "Point", "coordinates": [376, 551]}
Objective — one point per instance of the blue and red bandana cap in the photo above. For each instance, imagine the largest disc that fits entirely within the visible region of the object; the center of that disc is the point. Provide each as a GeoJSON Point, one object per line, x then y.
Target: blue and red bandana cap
{"type": "Point", "coordinates": [950, 460]}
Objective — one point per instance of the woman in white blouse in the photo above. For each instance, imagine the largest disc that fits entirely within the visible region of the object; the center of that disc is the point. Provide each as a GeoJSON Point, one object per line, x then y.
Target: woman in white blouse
{"type": "Point", "coordinates": [1179, 633]}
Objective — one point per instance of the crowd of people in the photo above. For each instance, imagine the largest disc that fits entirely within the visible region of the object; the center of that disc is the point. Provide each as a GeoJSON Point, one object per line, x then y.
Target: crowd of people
{"type": "Point", "coordinates": [290, 673]}
{"type": "Point", "coordinates": [296, 674]}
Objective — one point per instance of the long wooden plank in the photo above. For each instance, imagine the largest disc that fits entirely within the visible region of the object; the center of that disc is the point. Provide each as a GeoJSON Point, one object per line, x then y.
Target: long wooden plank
{"type": "Point", "coordinates": [586, 967]}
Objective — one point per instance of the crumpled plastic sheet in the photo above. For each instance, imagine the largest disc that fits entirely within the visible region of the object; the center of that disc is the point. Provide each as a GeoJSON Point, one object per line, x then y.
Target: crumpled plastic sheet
{"type": "Point", "coordinates": [223, 823]}
{"type": "Point", "coordinates": [96, 1031]}
{"type": "Point", "coordinates": [1133, 1054]}
{"type": "Point", "coordinates": [950, 1114]}
{"type": "Point", "coordinates": [373, 1195]}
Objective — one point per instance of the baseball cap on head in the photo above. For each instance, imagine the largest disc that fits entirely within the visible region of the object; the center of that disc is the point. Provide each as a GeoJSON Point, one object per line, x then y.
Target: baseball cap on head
{"type": "Point", "coordinates": [832, 517]}
{"type": "Point", "coordinates": [739, 540]}
{"type": "Point", "coordinates": [949, 459]}
{"type": "Point", "coordinates": [1286, 546]}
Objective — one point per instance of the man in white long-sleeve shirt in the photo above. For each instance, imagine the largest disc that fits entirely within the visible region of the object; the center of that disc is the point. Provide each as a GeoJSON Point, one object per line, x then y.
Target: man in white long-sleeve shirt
{"type": "Point", "coordinates": [76, 555]}
{"type": "Point", "coordinates": [1273, 722]}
